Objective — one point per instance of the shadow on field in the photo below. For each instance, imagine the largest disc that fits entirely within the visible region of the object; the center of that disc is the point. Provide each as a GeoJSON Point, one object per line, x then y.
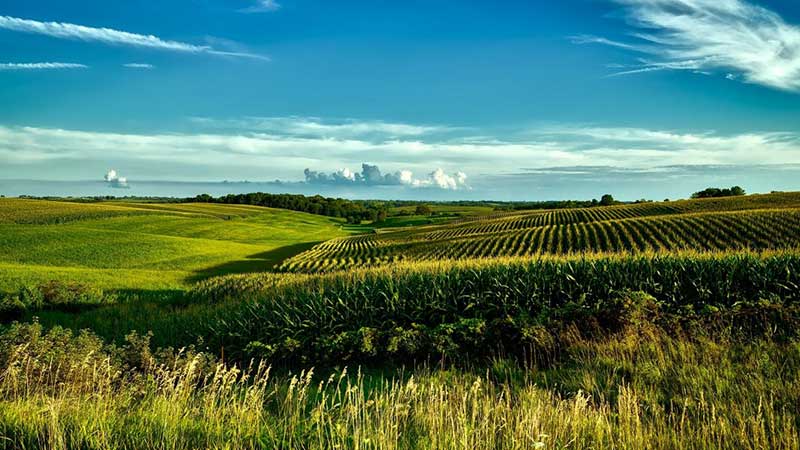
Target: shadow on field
{"type": "Point", "coordinates": [260, 262]}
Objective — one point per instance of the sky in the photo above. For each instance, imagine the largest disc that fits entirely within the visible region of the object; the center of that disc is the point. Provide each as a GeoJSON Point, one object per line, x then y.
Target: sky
{"type": "Point", "coordinates": [507, 100]}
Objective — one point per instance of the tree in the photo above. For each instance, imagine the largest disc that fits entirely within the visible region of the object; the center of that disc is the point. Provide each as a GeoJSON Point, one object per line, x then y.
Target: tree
{"type": "Point", "coordinates": [736, 191]}
{"type": "Point", "coordinates": [423, 210]}
{"type": "Point", "coordinates": [381, 216]}
{"type": "Point", "coordinates": [607, 200]}
{"type": "Point", "coordinates": [713, 192]}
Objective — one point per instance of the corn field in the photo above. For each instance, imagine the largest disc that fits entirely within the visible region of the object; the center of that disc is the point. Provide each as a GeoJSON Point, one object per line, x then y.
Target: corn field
{"type": "Point", "coordinates": [625, 229]}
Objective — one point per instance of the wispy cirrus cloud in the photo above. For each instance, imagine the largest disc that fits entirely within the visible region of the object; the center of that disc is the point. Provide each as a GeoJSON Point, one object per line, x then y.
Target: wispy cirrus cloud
{"type": "Point", "coordinates": [110, 36]}
{"type": "Point", "coordinates": [41, 66]}
{"type": "Point", "coordinates": [317, 127]}
{"type": "Point", "coordinates": [262, 6]}
{"type": "Point", "coordinates": [730, 36]}
{"type": "Point", "coordinates": [139, 66]}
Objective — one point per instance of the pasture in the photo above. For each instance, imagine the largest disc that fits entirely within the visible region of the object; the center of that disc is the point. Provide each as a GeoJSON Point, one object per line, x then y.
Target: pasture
{"type": "Point", "coordinates": [147, 246]}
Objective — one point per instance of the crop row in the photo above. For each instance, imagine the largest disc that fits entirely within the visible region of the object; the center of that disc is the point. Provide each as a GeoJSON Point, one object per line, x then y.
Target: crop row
{"type": "Point", "coordinates": [702, 232]}
{"type": "Point", "coordinates": [23, 211]}
{"type": "Point", "coordinates": [328, 316]}
{"type": "Point", "coordinates": [555, 217]}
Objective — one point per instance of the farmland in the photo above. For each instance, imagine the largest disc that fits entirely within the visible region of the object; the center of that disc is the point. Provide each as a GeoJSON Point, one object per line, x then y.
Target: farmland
{"type": "Point", "coordinates": [758, 222]}
{"type": "Point", "coordinates": [185, 325]}
{"type": "Point", "coordinates": [147, 246]}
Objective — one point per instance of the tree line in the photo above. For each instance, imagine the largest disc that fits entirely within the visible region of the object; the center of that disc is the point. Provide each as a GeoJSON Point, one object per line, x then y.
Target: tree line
{"type": "Point", "coordinates": [712, 192]}
{"type": "Point", "coordinates": [353, 211]}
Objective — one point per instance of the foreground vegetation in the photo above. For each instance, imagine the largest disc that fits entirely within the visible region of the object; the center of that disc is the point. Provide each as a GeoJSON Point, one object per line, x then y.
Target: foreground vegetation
{"type": "Point", "coordinates": [638, 388]}
{"type": "Point", "coordinates": [656, 325]}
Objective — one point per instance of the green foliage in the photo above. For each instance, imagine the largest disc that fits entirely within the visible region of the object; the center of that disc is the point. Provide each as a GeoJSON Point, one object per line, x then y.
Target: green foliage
{"type": "Point", "coordinates": [476, 309]}
{"type": "Point", "coordinates": [717, 192]}
{"type": "Point", "coordinates": [607, 200]}
{"type": "Point", "coordinates": [423, 210]}
{"type": "Point", "coordinates": [353, 211]}
{"type": "Point", "coordinates": [52, 295]}
{"type": "Point", "coordinates": [59, 389]}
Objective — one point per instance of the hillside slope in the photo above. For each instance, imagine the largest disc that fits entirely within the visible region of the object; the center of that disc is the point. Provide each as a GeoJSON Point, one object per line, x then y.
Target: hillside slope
{"type": "Point", "coordinates": [147, 246]}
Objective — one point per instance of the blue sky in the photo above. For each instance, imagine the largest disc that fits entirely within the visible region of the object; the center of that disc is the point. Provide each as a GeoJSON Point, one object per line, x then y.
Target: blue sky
{"type": "Point", "coordinates": [512, 99]}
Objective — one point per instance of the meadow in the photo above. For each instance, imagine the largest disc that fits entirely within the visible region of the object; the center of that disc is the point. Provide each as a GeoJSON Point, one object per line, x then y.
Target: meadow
{"type": "Point", "coordinates": [652, 325]}
{"type": "Point", "coordinates": [147, 246]}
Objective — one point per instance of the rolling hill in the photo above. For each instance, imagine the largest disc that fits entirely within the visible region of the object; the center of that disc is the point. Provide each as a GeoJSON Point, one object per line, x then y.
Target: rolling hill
{"type": "Point", "coordinates": [147, 246]}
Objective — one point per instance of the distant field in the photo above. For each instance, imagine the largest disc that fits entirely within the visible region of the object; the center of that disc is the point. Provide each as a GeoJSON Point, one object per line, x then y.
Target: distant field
{"type": "Point", "coordinates": [755, 222]}
{"type": "Point", "coordinates": [147, 246]}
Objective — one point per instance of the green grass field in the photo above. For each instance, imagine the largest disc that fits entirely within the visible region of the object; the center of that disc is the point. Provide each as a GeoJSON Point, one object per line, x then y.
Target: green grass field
{"type": "Point", "coordinates": [147, 246]}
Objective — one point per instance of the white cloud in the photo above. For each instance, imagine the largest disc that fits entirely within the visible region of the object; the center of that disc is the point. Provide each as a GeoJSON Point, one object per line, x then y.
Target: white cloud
{"type": "Point", "coordinates": [114, 180]}
{"type": "Point", "coordinates": [286, 156]}
{"type": "Point", "coordinates": [139, 66]}
{"type": "Point", "coordinates": [444, 181]}
{"type": "Point", "coordinates": [316, 127]}
{"type": "Point", "coordinates": [371, 175]}
{"type": "Point", "coordinates": [713, 35]}
{"type": "Point", "coordinates": [110, 36]}
{"type": "Point", "coordinates": [41, 66]}
{"type": "Point", "coordinates": [261, 6]}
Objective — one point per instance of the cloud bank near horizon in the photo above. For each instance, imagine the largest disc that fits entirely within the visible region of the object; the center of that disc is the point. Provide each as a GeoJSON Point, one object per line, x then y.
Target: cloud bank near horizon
{"type": "Point", "coordinates": [371, 175]}
{"type": "Point", "coordinates": [271, 154]}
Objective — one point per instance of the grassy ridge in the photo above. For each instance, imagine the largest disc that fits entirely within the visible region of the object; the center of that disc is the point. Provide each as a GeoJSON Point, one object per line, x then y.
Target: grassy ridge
{"type": "Point", "coordinates": [147, 246]}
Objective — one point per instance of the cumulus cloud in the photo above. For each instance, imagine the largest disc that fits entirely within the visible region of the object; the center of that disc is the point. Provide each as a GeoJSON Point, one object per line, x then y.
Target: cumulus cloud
{"type": "Point", "coordinates": [729, 36]}
{"type": "Point", "coordinates": [113, 180]}
{"type": "Point", "coordinates": [371, 175]}
{"type": "Point", "coordinates": [261, 6]}
{"type": "Point", "coordinates": [41, 66]}
{"type": "Point", "coordinates": [109, 36]}
{"type": "Point", "coordinates": [139, 66]}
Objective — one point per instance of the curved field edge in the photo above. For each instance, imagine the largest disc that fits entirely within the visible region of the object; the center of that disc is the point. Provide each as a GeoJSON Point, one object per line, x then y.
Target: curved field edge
{"type": "Point", "coordinates": [149, 246]}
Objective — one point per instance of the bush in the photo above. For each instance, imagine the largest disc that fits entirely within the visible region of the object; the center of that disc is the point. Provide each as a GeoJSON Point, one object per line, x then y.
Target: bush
{"type": "Point", "coordinates": [52, 295]}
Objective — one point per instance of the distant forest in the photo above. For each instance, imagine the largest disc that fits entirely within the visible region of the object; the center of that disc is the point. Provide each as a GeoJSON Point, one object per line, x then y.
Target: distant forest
{"type": "Point", "coordinates": [356, 211]}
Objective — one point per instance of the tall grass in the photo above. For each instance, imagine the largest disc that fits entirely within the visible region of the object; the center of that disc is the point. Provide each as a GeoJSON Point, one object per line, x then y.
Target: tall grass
{"type": "Point", "coordinates": [638, 389]}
